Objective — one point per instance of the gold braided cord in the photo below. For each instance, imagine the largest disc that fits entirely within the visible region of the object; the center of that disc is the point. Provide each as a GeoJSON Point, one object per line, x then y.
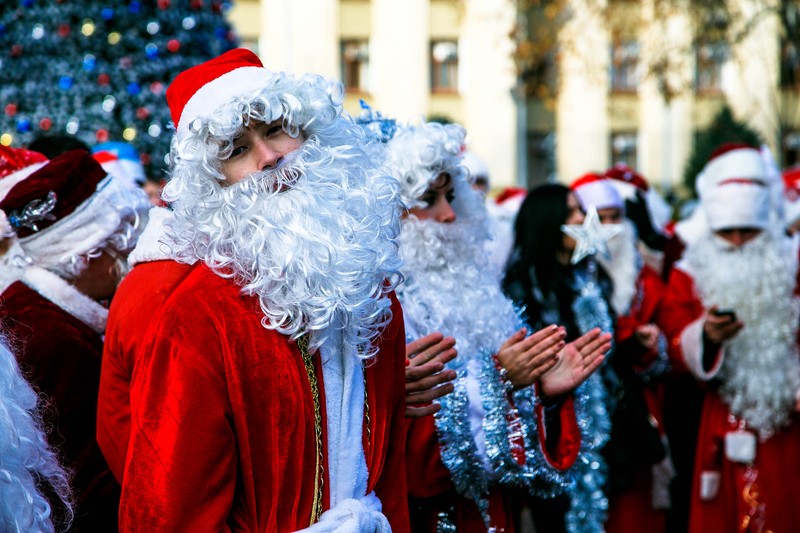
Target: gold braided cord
{"type": "Point", "coordinates": [316, 508]}
{"type": "Point", "coordinates": [366, 412]}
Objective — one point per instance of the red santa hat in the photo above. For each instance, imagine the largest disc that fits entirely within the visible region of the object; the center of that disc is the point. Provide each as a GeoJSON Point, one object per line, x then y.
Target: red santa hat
{"type": "Point", "coordinates": [16, 164]}
{"type": "Point", "coordinates": [197, 92]}
{"type": "Point", "coordinates": [791, 194]}
{"type": "Point", "coordinates": [734, 192]}
{"type": "Point", "coordinates": [68, 207]}
{"type": "Point", "coordinates": [628, 182]}
{"type": "Point", "coordinates": [594, 190]}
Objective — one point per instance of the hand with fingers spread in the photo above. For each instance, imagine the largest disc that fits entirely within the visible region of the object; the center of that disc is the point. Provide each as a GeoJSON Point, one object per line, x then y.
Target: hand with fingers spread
{"type": "Point", "coordinates": [526, 359]}
{"type": "Point", "coordinates": [426, 377]}
{"type": "Point", "coordinates": [576, 362]}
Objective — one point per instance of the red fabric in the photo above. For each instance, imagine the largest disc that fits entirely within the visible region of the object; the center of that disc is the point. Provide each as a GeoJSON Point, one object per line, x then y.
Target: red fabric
{"type": "Point", "coordinates": [222, 422]}
{"type": "Point", "coordinates": [60, 355]}
{"type": "Point", "coordinates": [73, 176]}
{"type": "Point", "coordinates": [569, 443]}
{"type": "Point", "coordinates": [680, 308]}
{"type": "Point", "coordinates": [622, 172]}
{"type": "Point", "coordinates": [136, 301]}
{"type": "Point", "coordinates": [15, 159]}
{"type": "Point", "coordinates": [188, 82]}
{"type": "Point", "coordinates": [777, 460]}
{"type": "Point", "coordinates": [632, 509]}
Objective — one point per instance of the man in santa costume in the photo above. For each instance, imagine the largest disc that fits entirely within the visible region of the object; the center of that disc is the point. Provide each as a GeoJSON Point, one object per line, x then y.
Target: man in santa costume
{"type": "Point", "coordinates": [73, 227]}
{"type": "Point", "coordinates": [490, 434]}
{"type": "Point", "coordinates": [640, 470]}
{"type": "Point", "coordinates": [732, 318]}
{"type": "Point", "coordinates": [269, 391]}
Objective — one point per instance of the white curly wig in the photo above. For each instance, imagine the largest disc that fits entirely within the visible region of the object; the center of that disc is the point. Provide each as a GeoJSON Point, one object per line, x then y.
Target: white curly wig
{"type": "Point", "coordinates": [321, 251]}
{"type": "Point", "coordinates": [27, 463]}
{"type": "Point", "coordinates": [419, 153]}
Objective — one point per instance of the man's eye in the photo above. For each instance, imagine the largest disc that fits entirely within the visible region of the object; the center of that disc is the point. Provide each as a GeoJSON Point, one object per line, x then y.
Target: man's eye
{"type": "Point", "coordinates": [237, 150]}
{"type": "Point", "coordinates": [272, 130]}
{"type": "Point", "coordinates": [429, 200]}
{"type": "Point", "coordinates": [450, 197]}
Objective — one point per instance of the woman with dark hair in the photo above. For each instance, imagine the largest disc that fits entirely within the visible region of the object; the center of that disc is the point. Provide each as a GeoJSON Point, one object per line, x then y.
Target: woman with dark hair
{"type": "Point", "coordinates": [541, 278]}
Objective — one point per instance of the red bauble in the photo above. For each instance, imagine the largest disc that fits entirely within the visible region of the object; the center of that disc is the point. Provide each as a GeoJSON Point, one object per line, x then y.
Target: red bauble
{"type": "Point", "coordinates": [173, 45]}
{"type": "Point", "coordinates": [45, 124]}
{"type": "Point", "coordinates": [16, 50]}
{"type": "Point", "coordinates": [196, 4]}
{"type": "Point", "coordinates": [11, 110]}
{"type": "Point", "coordinates": [144, 158]}
{"type": "Point", "coordinates": [156, 87]}
{"type": "Point", "coordinates": [101, 135]}
{"type": "Point", "coordinates": [142, 113]}
{"type": "Point", "coordinates": [103, 79]}
{"type": "Point", "coordinates": [163, 4]}
{"type": "Point", "coordinates": [63, 30]}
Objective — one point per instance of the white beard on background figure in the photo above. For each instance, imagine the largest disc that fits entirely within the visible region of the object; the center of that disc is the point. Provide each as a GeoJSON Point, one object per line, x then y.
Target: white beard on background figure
{"type": "Point", "coordinates": [761, 371]}
{"type": "Point", "coordinates": [623, 267]}
{"type": "Point", "coordinates": [447, 287]}
{"type": "Point", "coordinates": [315, 240]}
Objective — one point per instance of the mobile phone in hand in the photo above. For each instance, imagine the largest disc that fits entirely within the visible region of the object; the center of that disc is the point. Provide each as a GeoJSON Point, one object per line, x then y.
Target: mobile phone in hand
{"type": "Point", "coordinates": [727, 313]}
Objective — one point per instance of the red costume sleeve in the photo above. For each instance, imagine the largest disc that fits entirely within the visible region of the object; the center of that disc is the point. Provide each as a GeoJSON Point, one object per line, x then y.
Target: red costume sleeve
{"type": "Point", "coordinates": [680, 307]}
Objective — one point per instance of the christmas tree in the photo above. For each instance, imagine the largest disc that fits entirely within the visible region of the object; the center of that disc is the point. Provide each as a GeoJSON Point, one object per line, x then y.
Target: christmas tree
{"type": "Point", "coordinates": [98, 69]}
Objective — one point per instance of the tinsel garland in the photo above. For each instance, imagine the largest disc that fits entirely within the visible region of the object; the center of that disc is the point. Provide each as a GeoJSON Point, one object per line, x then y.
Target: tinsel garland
{"type": "Point", "coordinates": [506, 424]}
{"type": "Point", "coordinates": [588, 502]}
{"type": "Point", "coordinates": [457, 447]}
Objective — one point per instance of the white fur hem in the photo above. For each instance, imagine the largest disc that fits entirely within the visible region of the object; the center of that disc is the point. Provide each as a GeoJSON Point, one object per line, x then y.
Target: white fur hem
{"type": "Point", "coordinates": [150, 246]}
{"type": "Point", "coordinates": [66, 297]}
{"type": "Point", "coordinates": [692, 347]}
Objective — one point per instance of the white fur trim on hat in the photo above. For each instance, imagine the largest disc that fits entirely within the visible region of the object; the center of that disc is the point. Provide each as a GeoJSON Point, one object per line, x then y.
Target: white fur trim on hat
{"type": "Point", "coordinates": [7, 183]}
{"type": "Point", "coordinates": [742, 163]}
{"type": "Point", "coordinates": [88, 226]}
{"type": "Point", "coordinates": [737, 205]}
{"type": "Point", "coordinates": [220, 90]}
{"type": "Point", "coordinates": [600, 194]}
{"type": "Point", "coordinates": [151, 245]}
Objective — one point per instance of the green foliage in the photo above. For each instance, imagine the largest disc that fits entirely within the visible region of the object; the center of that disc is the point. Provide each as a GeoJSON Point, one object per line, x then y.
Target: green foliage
{"type": "Point", "coordinates": [98, 70]}
{"type": "Point", "coordinates": [723, 129]}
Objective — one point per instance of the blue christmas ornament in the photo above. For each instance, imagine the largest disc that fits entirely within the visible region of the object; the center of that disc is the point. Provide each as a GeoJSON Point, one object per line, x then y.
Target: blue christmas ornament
{"type": "Point", "coordinates": [23, 125]}
{"type": "Point", "coordinates": [27, 3]}
{"type": "Point", "coordinates": [2, 29]}
{"type": "Point", "coordinates": [134, 7]}
{"type": "Point", "coordinates": [107, 13]}
{"type": "Point", "coordinates": [65, 83]}
{"type": "Point", "coordinates": [151, 50]}
{"type": "Point", "coordinates": [133, 88]}
{"type": "Point", "coordinates": [89, 62]}
{"type": "Point", "coordinates": [221, 32]}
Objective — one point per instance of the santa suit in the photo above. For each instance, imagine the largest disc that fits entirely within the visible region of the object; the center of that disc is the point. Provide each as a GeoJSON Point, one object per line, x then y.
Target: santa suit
{"type": "Point", "coordinates": [135, 302]}
{"type": "Point", "coordinates": [632, 507]}
{"type": "Point", "coordinates": [56, 333]}
{"type": "Point", "coordinates": [736, 505]}
{"type": "Point", "coordinates": [223, 424]}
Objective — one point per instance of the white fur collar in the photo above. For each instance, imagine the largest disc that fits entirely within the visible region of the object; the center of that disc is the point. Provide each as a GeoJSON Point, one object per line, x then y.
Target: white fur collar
{"type": "Point", "coordinates": [151, 245]}
{"type": "Point", "coordinates": [66, 297]}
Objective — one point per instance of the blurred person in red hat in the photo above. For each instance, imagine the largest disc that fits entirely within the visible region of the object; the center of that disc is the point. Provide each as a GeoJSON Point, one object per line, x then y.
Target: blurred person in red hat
{"type": "Point", "coordinates": [637, 453]}
{"type": "Point", "coordinates": [791, 205]}
{"type": "Point", "coordinates": [269, 393]}
{"type": "Point", "coordinates": [73, 226]}
{"type": "Point", "coordinates": [732, 322]}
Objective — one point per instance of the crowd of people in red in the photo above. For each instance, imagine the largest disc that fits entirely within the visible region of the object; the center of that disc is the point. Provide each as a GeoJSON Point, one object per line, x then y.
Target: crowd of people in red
{"type": "Point", "coordinates": [325, 325]}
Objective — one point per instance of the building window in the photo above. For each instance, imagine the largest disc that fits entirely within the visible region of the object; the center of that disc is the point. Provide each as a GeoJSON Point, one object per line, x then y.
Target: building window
{"type": "Point", "coordinates": [444, 66]}
{"type": "Point", "coordinates": [624, 61]}
{"type": "Point", "coordinates": [623, 149]}
{"type": "Point", "coordinates": [541, 157]}
{"type": "Point", "coordinates": [791, 149]}
{"type": "Point", "coordinates": [355, 65]}
{"type": "Point", "coordinates": [790, 65]}
{"type": "Point", "coordinates": [709, 58]}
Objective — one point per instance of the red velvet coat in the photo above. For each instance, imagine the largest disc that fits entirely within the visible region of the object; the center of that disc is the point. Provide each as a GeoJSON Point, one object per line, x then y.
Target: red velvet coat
{"type": "Point", "coordinates": [431, 490]}
{"type": "Point", "coordinates": [60, 355]}
{"type": "Point", "coordinates": [777, 459]}
{"type": "Point", "coordinates": [222, 422]}
{"type": "Point", "coordinates": [136, 301]}
{"type": "Point", "coordinates": [633, 509]}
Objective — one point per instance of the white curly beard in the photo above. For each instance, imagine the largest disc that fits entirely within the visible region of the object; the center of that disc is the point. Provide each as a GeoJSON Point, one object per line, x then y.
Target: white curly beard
{"type": "Point", "coordinates": [761, 370]}
{"type": "Point", "coordinates": [623, 267]}
{"type": "Point", "coordinates": [316, 241]}
{"type": "Point", "coordinates": [448, 287]}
